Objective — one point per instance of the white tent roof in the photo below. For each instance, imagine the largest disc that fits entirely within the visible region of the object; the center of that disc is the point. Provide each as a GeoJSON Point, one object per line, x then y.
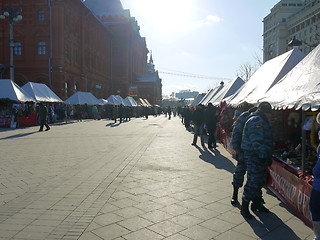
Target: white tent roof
{"type": "Point", "coordinates": [41, 92]}
{"type": "Point", "coordinates": [115, 100]}
{"type": "Point", "coordinates": [229, 89]}
{"type": "Point", "coordinates": [103, 101]}
{"type": "Point", "coordinates": [197, 99]}
{"type": "Point", "coordinates": [10, 90]}
{"type": "Point", "coordinates": [142, 102]}
{"type": "Point", "coordinates": [300, 87]}
{"type": "Point", "coordinates": [130, 101]}
{"type": "Point", "coordinates": [211, 94]}
{"type": "Point", "coordinates": [82, 98]}
{"type": "Point", "coordinates": [266, 77]}
{"type": "Point", "coordinates": [147, 102]}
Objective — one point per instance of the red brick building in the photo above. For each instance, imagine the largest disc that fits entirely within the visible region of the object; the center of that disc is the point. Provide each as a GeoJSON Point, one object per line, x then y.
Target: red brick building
{"type": "Point", "coordinates": [69, 47]}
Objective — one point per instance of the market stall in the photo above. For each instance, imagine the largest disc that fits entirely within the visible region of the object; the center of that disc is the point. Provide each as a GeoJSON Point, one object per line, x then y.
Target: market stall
{"type": "Point", "coordinates": [13, 102]}
{"type": "Point", "coordinates": [42, 93]}
{"type": "Point", "coordinates": [295, 99]}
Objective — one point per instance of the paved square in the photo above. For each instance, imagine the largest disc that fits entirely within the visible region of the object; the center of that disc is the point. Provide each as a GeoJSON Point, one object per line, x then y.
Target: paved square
{"type": "Point", "coordinates": [138, 180]}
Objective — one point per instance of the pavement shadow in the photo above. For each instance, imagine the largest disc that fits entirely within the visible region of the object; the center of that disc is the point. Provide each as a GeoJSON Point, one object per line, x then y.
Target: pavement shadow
{"type": "Point", "coordinates": [266, 223]}
{"type": "Point", "coordinates": [113, 124]}
{"type": "Point", "coordinates": [18, 135]}
{"type": "Point", "coordinates": [215, 158]}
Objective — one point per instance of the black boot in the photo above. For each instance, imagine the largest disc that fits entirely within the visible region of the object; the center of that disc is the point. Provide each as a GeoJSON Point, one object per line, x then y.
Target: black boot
{"type": "Point", "coordinates": [258, 206]}
{"type": "Point", "coordinates": [245, 210]}
{"type": "Point", "coordinates": [234, 199]}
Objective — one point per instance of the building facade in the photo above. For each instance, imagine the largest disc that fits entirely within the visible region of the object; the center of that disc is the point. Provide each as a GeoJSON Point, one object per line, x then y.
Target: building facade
{"type": "Point", "coordinates": [288, 20]}
{"type": "Point", "coordinates": [69, 47]}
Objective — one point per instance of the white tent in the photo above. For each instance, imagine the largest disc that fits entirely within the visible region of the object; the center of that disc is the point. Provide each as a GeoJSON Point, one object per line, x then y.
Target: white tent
{"type": "Point", "coordinates": [115, 100]}
{"type": "Point", "coordinates": [229, 89]}
{"type": "Point", "coordinates": [82, 98]}
{"type": "Point", "coordinates": [197, 99]}
{"type": "Point", "coordinates": [143, 103]}
{"type": "Point", "coordinates": [147, 102]}
{"type": "Point", "coordinates": [130, 101]}
{"type": "Point", "coordinates": [11, 91]}
{"type": "Point", "coordinates": [41, 92]}
{"type": "Point", "coordinates": [211, 94]}
{"type": "Point", "coordinates": [266, 77]}
{"type": "Point", "coordinates": [300, 87]}
{"type": "Point", "coordinates": [103, 101]}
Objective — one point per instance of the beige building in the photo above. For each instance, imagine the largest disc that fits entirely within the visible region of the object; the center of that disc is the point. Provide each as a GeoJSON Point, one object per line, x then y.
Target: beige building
{"type": "Point", "coordinates": [289, 19]}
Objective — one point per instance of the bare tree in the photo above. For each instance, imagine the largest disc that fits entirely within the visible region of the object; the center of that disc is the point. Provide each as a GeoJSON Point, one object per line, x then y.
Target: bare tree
{"type": "Point", "coordinates": [246, 70]}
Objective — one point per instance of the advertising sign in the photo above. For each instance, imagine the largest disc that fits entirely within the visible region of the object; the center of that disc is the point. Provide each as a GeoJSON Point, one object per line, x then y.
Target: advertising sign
{"type": "Point", "coordinates": [291, 190]}
{"type": "Point", "coordinates": [133, 91]}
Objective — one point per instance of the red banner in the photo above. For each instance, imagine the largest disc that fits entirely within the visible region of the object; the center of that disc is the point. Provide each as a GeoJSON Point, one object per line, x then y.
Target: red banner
{"type": "Point", "coordinates": [291, 190]}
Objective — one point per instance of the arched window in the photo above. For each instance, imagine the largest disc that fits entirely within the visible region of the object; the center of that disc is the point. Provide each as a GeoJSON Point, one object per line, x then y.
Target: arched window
{"type": "Point", "coordinates": [17, 49]}
{"type": "Point", "coordinates": [41, 48]}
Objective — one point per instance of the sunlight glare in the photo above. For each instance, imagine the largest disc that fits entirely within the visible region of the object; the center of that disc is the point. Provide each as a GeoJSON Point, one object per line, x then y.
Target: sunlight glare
{"type": "Point", "coordinates": [167, 16]}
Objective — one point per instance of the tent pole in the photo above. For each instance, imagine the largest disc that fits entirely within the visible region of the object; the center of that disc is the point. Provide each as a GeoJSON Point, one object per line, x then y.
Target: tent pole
{"type": "Point", "coordinates": [304, 147]}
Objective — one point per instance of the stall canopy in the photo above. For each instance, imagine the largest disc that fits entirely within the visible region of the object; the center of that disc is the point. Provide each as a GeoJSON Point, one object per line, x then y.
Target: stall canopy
{"type": "Point", "coordinates": [82, 98]}
{"type": "Point", "coordinates": [115, 100]}
{"type": "Point", "coordinates": [103, 101]}
{"type": "Point", "coordinates": [211, 94]}
{"type": "Point", "coordinates": [300, 88]}
{"type": "Point", "coordinates": [130, 101]}
{"type": "Point", "coordinates": [142, 102]}
{"type": "Point", "coordinates": [266, 77]}
{"type": "Point", "coordinates": [147, 102]}
{"type": "Point", "coordinates": [197, 100]}
{"type": "Point", "coordinates": [41, 92]}
{"type": "Point", "coordinates": [229, 89]}
{"type": "Point", "coordinates": [9, 90]}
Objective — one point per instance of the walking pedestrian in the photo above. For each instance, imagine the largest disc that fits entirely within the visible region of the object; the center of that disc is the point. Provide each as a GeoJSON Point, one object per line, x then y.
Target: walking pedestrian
{"type": "Point", "coordinates": [241, 168]}
{"type": "Point", "coordinates": [198, 120]}
{"type": "Point", "coordinates": [257, 143]}
{"type": "Point", "coordinates": [210, 119]}
{"type": "Point", "coordinates": [315, 193]}
{"type": "Point", "coordinates": [43, 116]}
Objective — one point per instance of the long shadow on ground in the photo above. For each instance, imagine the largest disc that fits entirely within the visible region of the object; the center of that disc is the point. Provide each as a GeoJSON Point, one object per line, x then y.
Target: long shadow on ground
{"type": "Point", "coordinates": [270, 226]}
{"type": "Point", "coordinates": [215, 158]}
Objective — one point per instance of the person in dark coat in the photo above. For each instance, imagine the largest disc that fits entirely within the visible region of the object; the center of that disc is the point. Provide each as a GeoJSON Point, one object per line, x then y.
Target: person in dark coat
{"type": "Point", "coordinates": [257, 143]}
{"type": "Point", "coordinates": [43, 117]}
{"type": "Point", "coordinates": [241, 168]}
{"type": "Point", "coordinates": [210, 119]}
{"type": "Point", "coordinates": [198, 120]}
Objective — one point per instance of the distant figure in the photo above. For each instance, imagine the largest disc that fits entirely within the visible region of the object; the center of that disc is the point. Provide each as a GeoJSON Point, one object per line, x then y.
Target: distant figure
{"type": "Point", "coordinates": [210, 119]}
{"type": "Point", "coordinates": [198, 120]}
{"type": "Point", "coordinates": [78, 112]}
{"type": "Point", "coordinates": [43, 116]}
{"type": "Point", "coordinates": [94, 111]}
{"type": "Point", "coordinates": [169, 112]}
{"type": "Point", "coordinates": [121, 112]}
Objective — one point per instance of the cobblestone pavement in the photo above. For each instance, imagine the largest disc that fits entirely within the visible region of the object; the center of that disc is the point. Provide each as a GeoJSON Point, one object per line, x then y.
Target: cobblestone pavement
{"type": "Point", "coordinates": [138, 180]}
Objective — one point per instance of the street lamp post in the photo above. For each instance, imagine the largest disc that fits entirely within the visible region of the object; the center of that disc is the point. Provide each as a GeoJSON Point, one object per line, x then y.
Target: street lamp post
{"type": "Point", "coordinates": [14, 15]}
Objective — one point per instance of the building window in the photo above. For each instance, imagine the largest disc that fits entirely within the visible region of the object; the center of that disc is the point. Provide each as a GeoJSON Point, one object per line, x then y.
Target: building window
{"type": "Point", "coordinates": [41, 48]}
{"type": "Point", "coordinates": [75, 56]}
{"type": "Point", "coordinates": [17, 49]}
{"type": "Point", "coordinates": [66, 51]}
{"type": "Point", "coordinates": [41, 16]}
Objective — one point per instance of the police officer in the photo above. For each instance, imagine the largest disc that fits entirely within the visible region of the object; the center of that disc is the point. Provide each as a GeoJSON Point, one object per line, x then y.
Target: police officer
{"type": "Point", "coordinates": [241, 168]}
{"type": "Point", "coordinates": [257, 144]}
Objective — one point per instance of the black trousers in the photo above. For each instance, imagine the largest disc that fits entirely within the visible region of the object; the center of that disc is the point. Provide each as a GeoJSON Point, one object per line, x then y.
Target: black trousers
{"type": "Point", "coordinates": [43, 123]}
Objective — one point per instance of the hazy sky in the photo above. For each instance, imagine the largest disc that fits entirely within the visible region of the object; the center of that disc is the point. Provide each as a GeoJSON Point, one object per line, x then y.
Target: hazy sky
{"type": "Point", "coordinates": [202, 37]}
